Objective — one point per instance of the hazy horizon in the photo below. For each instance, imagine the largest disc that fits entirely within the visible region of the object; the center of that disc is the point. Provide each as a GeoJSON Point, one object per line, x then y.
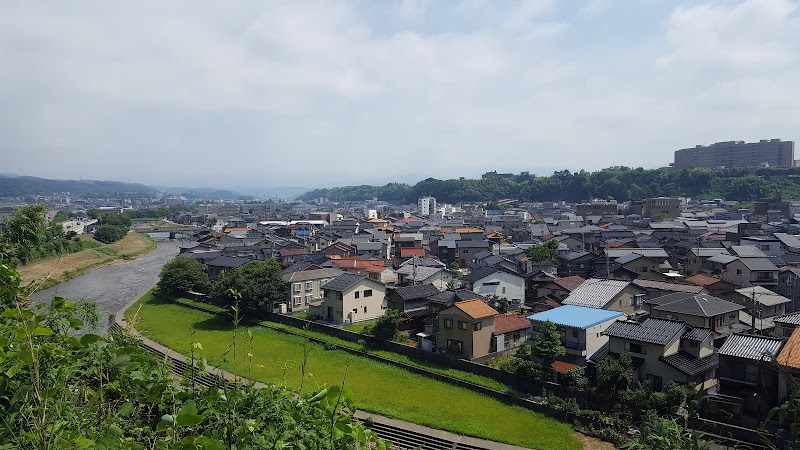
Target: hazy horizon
{"type": "Point", "coordinates": [320, 94]}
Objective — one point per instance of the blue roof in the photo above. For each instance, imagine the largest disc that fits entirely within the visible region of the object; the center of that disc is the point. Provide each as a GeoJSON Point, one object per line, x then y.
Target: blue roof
{"type": "Point", "coordinates": [576, 316]}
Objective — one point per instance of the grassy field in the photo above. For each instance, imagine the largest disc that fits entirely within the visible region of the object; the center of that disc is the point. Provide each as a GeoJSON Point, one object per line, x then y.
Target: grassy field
{"type": "Point", "coordinates": [52, 271]}
{"type": "Point", "coordinates": [379, 388]}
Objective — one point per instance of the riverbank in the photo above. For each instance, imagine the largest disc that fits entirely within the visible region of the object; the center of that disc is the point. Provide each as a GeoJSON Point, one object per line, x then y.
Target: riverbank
{"type": "Point", "coordinates": [52, 271]}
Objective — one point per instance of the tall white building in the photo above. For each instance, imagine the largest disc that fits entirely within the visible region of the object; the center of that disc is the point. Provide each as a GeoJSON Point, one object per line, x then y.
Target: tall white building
{"type": "Point", "coordinates": [427, 206]}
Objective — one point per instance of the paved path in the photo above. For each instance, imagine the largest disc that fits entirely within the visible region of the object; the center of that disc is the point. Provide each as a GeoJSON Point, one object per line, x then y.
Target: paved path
{"type": "Point", "coordinates": [113, 286]}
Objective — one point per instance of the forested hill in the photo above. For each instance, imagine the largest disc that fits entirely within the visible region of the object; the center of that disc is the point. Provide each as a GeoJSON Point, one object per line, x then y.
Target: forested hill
{"type": "Point", "coordinates": [21, 186]}
{"type": "Point", "coordinates": [621, 185]}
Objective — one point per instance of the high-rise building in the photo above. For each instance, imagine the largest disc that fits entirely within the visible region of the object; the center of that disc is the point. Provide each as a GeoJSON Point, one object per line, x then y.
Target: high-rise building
{"type": "Point", "coordinates": [427, 205]}
{"type": "Point", "coordinates": [771, 153]}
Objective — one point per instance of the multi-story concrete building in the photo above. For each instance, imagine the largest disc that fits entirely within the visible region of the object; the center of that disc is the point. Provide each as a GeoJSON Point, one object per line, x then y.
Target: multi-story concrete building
{"type": "Point", "coordinates": [661, 207]}
{"type": "Point", "coordinates": [772, 153]}
{"type": "Point", "coordinates": [427, 205]}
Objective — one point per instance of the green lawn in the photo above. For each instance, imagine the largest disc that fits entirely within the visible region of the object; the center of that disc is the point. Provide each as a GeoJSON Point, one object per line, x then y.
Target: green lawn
{"type": "Point", "coordinates": [378, 387]}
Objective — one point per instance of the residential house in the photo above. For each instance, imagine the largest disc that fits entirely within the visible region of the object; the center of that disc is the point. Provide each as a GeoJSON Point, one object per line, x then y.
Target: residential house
{"type": "Point", "coordinates": [697, 310]}
{"type": "Point", "coordinates": [412, 302]}
{"type": "Point", "coordinates": [437, 276]}
{"type": "Point", "coordinates": [715, 286]}
{"type": "Point", "coordinates": [382, 274]}
{"type": "Point", "coordinates": [616, 295]}
{"type": "Point", "coordinates": [465, 329]}
{"type": "Point", "coordinates": [641, 266]}
{"type": "Point", "coordinates": [467, 249]}
{"type": "Point", "coordinates": [510, 331]}
{"type": "Point", "coordinates": [305, 287]}
{"type": "Point", "coordinates": [665, 351]}
{"type": "Point", "coordinates": [770, 246]}
{"type": "Point", "coordinates": [789, 362]}
{"type": "Point", "coordinates": [745, 272]}
{"type": "Point", "coordinates": [351, 298]}
{"type": "Point", "coordinates": [786, 324]}
{"type": "Point", "coordinates": [376, 249]}
{"type": "Point", "coordinates": [655, 289]}
{"type": "Point", "coordinates": [788, 280]}
{"type": "Point", "coordinates": [559, 288]}
{"type": "Point", "coordinates": [491, 281]}
{"type": "Point", "coordinates": [219, 266]}
{"type": "Point", "coordinates": [576, 263]}
{"type": "Point", "coordinates": [580, 327]}
{"type": "Point", "coordinates": [789, 243]}
{"type": "Point", "coordinates": [406, 253]}
{"type": "Point", "coordinates": [697, 256]}
{"type": "Point", "coordinates": [767, 303]}
{"type": "Point", "coordinates": [746, 372]}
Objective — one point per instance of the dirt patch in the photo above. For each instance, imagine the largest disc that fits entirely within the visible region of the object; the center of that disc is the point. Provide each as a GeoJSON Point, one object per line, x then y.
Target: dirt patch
{"type": "Point", "coordinates": [590, 443]}
{"type": "Point", "coordinates": [55, 270]}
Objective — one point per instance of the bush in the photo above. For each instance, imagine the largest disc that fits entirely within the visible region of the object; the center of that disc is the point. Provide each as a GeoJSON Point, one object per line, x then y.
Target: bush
{"type": "Point", "coordinates": [108, 234]}
{"type": "Point", "coordinates": [182, 275]}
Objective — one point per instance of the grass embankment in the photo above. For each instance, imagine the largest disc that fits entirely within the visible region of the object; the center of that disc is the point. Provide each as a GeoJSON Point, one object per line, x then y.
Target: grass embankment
{"type": "Point", "coordinates": [52, 271]}
{"type": "Point", "coordinates": [378, 387]}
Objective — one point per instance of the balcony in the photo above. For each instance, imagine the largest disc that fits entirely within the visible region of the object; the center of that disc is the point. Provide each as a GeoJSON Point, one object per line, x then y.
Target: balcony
{"type": "Point", "coordinates": [575, 345]}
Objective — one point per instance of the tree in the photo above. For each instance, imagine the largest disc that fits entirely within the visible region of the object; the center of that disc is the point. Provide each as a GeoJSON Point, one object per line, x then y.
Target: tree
{"type": "Point", "coordinates": [454, 267]}
{"type": "Point", "coordinates": [547, 346]}
{"type": "Point", "coordinates": [108, 234]}
{"type": "Point", "coordinates": [259, 282]}
{"type": "Point", "coordinates": [182, 275]}
{"type": "Point", "coordinates": [386, 325]}
{"type": "Point", "coordinates": [545, 252]}
{"type": "Point", "coordinates": [614, 373]}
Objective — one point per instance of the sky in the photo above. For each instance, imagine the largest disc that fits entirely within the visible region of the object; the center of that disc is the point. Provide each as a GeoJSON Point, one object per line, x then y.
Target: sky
{"type": "Point", "coordinates": [315, 94]}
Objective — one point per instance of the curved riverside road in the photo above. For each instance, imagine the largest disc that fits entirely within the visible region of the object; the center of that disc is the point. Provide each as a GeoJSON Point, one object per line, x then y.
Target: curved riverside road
{"type": "Point", "coordinates": [112, 287]}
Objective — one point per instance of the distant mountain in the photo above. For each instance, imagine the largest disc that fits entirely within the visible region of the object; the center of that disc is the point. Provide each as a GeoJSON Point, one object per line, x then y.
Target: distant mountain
{"type": "Point", "coordinates": [18, 186]}
{"type": "Point", "coordinates": [201, 192]}
{"type": "Point", "coordinates": [272, 193]}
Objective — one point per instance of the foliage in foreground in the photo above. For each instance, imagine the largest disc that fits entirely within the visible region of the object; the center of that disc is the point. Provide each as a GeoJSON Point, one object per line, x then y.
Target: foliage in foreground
{"type": "Point", "coordinates": [59, 390]}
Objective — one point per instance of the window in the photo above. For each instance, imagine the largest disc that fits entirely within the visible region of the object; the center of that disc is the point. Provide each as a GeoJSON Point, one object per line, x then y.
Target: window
{"type": "Point", "coordinates": [297, 287]}
{"type": "Point", "coordinates": [462, 325]}
{"type": "Point", "coordinates": [477, 326]}
{"type": "Point", "coordinates": [448, 323]}
{"type": "Point", "coordinates": [298, 301]}
{"type": "Point", "coordinates": [309, 297]}
{"type": "Point", "coordinates": [643, 269]}
{"type": "Point", "coordinates": [751, 373]}
{"type": "Point", "coordinates": [635, 348]}
{"type": "Point", "coordinates": [575, 334]}
{"type": "Point", "coordinates": [656, 382]}
{"type": "Point", "coordinates": [638, 299]}
{"type": "Point", "coordinates": [367, 292]}
{"type": "Point", "coordinates": [503, 289]}
{"type": "Point", "coordinates": [465, 251]}
{"type": "Point", "coordinates": [454, 345]}
{"type": "Point", "coordinates": [309, 285]}
{"type": "Point", "coordinates": [365, 309]}
{"type": "Point", "coordinates": [358, 294]}
{"type": "Point", "coordinates": [738, 271]}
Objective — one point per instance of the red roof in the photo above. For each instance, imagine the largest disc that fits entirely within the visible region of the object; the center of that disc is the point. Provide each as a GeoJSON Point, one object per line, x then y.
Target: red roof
{"type": "Point", "coordinates": [293, 252]}
{"type": "Point", "coordinates": [356, 263]}
{"type": "Point", "coordinates": [561, 366]}
{"type": "Point", "coordinates": [409, 252]}
{"type": "Point", "coordinates": [551, 301]}
{"type": "Point", "coordinates": [702, 280]}
{"type": "Point", "coordinates": [409, 219]}
{"type": "Point", "coordinates": [507, 323]}
{"type": "Point", "coordinates": [569, 283]}
{"type": "Point", "coordinates": [615, 244]}
{"type": "Point", "coordinates": [376, 269]}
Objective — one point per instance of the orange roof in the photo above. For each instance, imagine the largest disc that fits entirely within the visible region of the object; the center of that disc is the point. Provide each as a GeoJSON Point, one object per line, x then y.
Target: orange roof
{"type": "Point", "coordinates": [790, 354]}
{"type": "Point", "coordinates": [409, 219]}
{"type": "Point", "coordinates": [615, 244]}
{"type": "Point", "coordinates": [702, 280]}
{"type": "Point", "coordinates": [376, 220]}
{"type": "Point", "coordinates": [376, 269]}
{"type": "Point", "coordinates": [228, 230]}
{"type": "Point", "coordinates": [356, 263]}
{"type": "Point", "coordinates": [408, 252]}
{"type": "Point", "coordinates": [469, 230]}
{"type": "Point", "coordinates": [476, 308]}
{"type": "Point", "coordinates": [505, 323]}
{"type": "Point", "coordinates": [569, 283]}
{"type": "Point", "coordinates": [561, 366]}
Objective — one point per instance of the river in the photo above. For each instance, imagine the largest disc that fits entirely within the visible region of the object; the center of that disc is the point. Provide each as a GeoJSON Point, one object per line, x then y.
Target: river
{"type": "Point", "coordinates": [115, 285]}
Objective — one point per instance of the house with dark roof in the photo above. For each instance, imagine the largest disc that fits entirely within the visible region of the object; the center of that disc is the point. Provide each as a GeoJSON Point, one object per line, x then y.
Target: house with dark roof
{"type": "Point", "coordinates": [760, 301]}
{"type": "Point", "coordinates": [467, 249]}
{"type": "Point", "coordinates": [559, 288]}
{"type": "Point", "coordinates": [510, 331]}
{"type": "Point", "coordinates": [697, 256]}
{"type": "Point", "coordinates": [219, 266]}
{"type": "Point", "coordinates": [576, 263]}
{"type": "Point", "coordinates": [655, 289]}
{"type": "Point", "coordinates": [351, 298]}
{"type": "Point", "coordinates": [580, 327]}
{"type": "Point", "coordinates": [786, 324]}
{"type": "Point", "coordinates": [305, 287]}
{"type": "Point", "coordinates": [746, 372]}
{"type": "Point", "coordinates": [698, 310]}
{"type": "Point", "coordinates": [411, 301]}
{"type": "Point", "coordinates": [437, 276]}
{"type": "Point", "coordinates": [714, 286]}
{"type": "Point", "coordinates": [465, 329]}
{"type": "Point", "coordinates": [664, 351]}
{"type": "Point", "coordinates": [616, 295]}
{"type": "Point", "coordinates": [745, 272]}
{"type": "Point", "coordinates": [491, 281]}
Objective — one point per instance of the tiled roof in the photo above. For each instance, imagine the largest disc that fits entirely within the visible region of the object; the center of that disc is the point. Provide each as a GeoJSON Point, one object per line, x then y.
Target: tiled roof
{"type": "Point", "coordinates": [747, 251]}
{"type": "Point", "coordinates": [450, 296]}
{"type": "Point", "coordinates": [654, 331]}
{"type": "Point", "coordinates": [595, 292]}
{"type": "Point", "coordinates": [479, 274]}
{"type": "Point", "coordinates": [788, 239]}
{"type": "Point", "coordinates": [472, 244]}
{"type": "Point", "coordinates": [664, 286]}
{"type": "Point", "coordinates": [375, 269]}
{"type": "Point", "coordinates": [757, 348]}
{"type": "Point", "coordinates": [421, 273]}
{"type": "Point", "coordinates": [791, 319]}
{"type": "Point", "coordinates": [427, 262]}
{"type": "Point", "coordinates": [723, 259]}
{"type": "Point", "coordinates": [706, 252]}
{"type": "Point", "coordinates": [702, 280]}
{"type": "Point", "coordinates": [228, 261]}
{"type": "Point", "coordinates": [408, 252]}
{"type": "Point", "coordinates": [701, 305]}
{"type": "Point", "coordinates": [648, 252]}
{"type": "Point", "coordinates": [305, 275]}
{"type": "Point", "coordinates": [758, 264]}
{"type": "Point", "coordinates": [690, 365]}
{"type": "Point", "coordinates": [476, 309]}
{"type": "Point", "coordinates": [790, 354]}
{"type": "Point", "coordinates": [561, 366]}
{"type": "Point", "coordinates": [343, 282]}
{"type": "Point", "coordinates": [417, 291]}
{"type": "Point", "coordinates": [576, 316]}
{"type": "Point", "coordinates": [697, 334]}
{"type": "Point", "coordinates": [763, 295]}
{"type": "Point", "coordinates": [505, 323]}
{"type": "Point", "coordinates": [569, 283]}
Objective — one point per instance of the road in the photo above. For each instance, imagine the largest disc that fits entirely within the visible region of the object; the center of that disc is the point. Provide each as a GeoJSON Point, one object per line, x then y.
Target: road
{"type": "Point", "coordinates": [114, 286]}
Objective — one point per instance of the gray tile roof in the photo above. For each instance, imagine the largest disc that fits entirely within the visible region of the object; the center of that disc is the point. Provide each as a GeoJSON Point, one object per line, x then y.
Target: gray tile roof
{"type": "Point", "coordinates": [415, 292]}
{"type": "Point", "coordinates": [653, 331]}
{"type": "Point", "coordinates": [708, 252]}
{"type": "Point", "coordinates": [228, 261]}
{"type": "Point", "coordinates": [657, 253]}
{"type": "Point", "coordinates": [747, 251]}
{"type": "Point", "coordinates": [701, 305]}
{"type": "Point", "coordinates": [788, 239]}
{"type": "Point", "coordinates": [757, 348]}
{"type": "Point", "coordinates": [343, 282]}
{"type": "Point", "coordinates": [422, 262]}
{"type": "Point", "coordinates": [690, 365]}
{"type": "Point", "coordinates": [697, 334]}
{"type": "Point", "coordinates": [595, 292]}
{"type": "Point", "coordinates": [450, 296]}
{"type": "Point", "coordinates": [306, 275]}
{"type": "Point", "coordinates": [665, 286]}
{"type": "Point", "coordinates": [479, 274]}
{"type": "Point", "coordinates": [763, 295]}
{"type": "Point", "coordinates": [758, 264]}
{"type": "Point", "coordinates": [472, 244]}
{"type": "Point", "coordinates": [723, 259]}
{"type": "Point", "coordinates": [421, 273]}
{"type": "Point", "coordinates": [791, 319]}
